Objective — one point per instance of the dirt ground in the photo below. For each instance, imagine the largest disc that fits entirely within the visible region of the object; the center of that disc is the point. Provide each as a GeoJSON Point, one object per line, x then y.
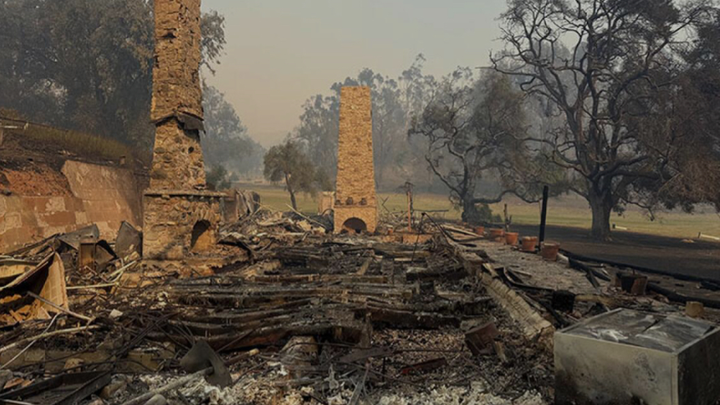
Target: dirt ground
{"type": "Point", "coordinates": [670, 255]}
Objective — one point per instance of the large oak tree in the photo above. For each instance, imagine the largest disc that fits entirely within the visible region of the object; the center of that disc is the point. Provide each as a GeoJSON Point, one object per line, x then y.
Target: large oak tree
{"type": "Point", "coordinates": [601, 64]}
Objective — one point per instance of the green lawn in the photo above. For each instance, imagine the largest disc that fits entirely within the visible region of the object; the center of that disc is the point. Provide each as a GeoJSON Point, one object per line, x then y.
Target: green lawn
{"type": "Point", "coordinates": [565, 211]}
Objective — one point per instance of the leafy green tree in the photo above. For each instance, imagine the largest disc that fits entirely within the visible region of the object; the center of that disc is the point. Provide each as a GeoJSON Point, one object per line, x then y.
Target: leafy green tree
{"type": "Point", "coordinates": [288, 163]}
{"type": "Point", "coordinates": [86, 64]}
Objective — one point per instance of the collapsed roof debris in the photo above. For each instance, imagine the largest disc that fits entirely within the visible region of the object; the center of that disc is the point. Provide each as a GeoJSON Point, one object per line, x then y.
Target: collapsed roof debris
{"type": "Point", "coordinates": [34, 293]}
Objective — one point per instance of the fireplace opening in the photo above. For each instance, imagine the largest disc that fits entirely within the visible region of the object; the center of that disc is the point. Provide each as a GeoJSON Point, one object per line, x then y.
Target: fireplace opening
{"type": "Point", "coordinates": [202, 238]}
{"type": "Point", "coordinates": [355, 225]}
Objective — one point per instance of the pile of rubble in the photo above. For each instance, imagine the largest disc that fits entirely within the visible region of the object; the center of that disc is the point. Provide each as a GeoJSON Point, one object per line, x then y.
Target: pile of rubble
{"type": "Point", "coordinates": [335, 318]}
{"type": "Point", "coordinates": [297, 316]}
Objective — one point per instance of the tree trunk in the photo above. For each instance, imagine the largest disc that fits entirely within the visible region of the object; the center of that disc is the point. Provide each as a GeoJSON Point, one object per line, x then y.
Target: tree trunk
{"type": "Point", "coordinates": [291, 191]}
{"type": "Point", "coordinates": [292, 201]}
{"type": "Point", "coordinates": [601, 209]}
{"type": "Point", "coordinates": [470, 214]}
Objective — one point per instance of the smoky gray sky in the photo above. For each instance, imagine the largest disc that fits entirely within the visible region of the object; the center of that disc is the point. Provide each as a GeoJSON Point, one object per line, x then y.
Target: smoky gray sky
{"type": "Point", "coordinates": [280, 52]}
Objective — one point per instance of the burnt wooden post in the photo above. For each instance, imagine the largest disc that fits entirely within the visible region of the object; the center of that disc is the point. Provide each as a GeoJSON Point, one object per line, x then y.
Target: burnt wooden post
{"type": "Point", "coordinates": [543, 214]}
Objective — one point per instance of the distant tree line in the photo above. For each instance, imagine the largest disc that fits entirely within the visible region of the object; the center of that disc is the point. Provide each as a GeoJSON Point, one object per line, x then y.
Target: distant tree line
{"type": "Point", "coordinates": [227, 143]}
{"type": "Point", "coordinates": [462, 134]}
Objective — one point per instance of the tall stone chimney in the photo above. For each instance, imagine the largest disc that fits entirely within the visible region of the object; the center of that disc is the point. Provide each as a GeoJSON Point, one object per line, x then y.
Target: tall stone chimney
{"type": "Point", "coordinates": [355, 199]}
{"type": "Point", "coordinates": [177, 97]}
{"type": "Point", "coordinates": [180, 217]}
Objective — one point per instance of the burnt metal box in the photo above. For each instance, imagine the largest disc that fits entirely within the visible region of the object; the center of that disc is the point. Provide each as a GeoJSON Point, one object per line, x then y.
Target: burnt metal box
{"type": "Point", "coordinates": [631, 357]}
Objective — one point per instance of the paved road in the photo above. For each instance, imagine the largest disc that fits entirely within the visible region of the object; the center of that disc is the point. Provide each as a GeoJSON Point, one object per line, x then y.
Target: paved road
{"type": "Point", "coordinates": [671, 255]}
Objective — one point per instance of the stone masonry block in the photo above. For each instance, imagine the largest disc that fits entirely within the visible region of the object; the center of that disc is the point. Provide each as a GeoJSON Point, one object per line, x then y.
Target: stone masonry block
{"type": "Point", "coordinates": [176, 75]}
{"type": "Point", "coordinates": [13, 221]}
{"type": "Point", "coordinates": [177, 158]}
{"type": "Point", "coordinates": [175, 224]}
{"type": "Point", "coordinates": [55, 204]}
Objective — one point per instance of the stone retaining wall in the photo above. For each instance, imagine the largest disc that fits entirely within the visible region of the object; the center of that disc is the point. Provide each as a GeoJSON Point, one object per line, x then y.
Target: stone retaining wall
{"type": "Point", "coordinates": [82, 194]}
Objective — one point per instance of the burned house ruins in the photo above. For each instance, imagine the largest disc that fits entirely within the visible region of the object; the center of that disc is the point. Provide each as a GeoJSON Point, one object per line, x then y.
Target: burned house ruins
{"type": "Point", "coordinates": [230, 301]}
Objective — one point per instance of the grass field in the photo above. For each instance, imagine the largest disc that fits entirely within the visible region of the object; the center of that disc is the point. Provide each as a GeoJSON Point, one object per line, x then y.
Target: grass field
{"type": "Point", "coordinates": [81, 143]}
{"type": "Point", "coordinates": [563, 211]}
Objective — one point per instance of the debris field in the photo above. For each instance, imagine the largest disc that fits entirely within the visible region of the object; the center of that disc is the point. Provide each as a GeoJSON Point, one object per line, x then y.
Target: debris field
{"type": "Point", "coordinates": [303, 316]}
{"type": "Point", "coordinates": [346, 307]}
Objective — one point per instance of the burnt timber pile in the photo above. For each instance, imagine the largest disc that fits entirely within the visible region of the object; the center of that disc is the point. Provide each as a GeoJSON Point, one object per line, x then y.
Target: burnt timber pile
{"type": "Point", "coordinates": [306, 316]}
{"type": "Point", "coordinates": [376, 316]}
